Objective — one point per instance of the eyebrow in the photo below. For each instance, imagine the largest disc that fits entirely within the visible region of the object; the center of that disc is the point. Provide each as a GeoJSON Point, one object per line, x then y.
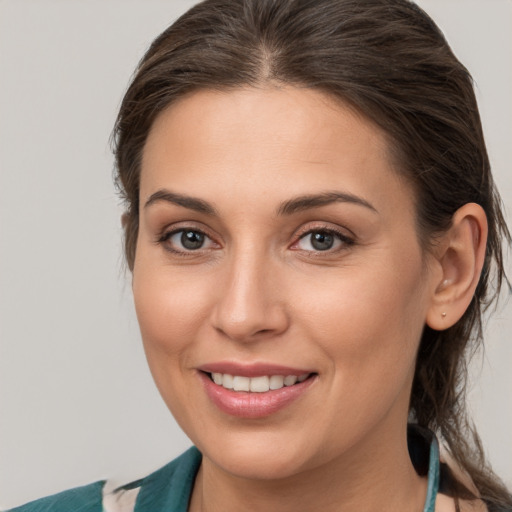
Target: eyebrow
{"type": "Point", "coordinates": [307, 202]}
{"type": "Point", "coordinates": [192, 203]}
{"type": "Point", "coordinates": [295, 205]}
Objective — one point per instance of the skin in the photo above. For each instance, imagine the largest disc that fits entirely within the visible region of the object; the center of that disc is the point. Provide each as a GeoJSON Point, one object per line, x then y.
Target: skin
{"type": "Point", "coordinates": [258, 291]}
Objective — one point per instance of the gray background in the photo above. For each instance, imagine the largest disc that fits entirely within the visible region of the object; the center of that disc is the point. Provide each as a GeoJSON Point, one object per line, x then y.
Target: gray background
{"type": "Point", "coordinates": [77, 403]}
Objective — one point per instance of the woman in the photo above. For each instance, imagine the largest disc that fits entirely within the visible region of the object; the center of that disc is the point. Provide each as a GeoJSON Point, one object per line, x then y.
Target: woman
{"type": "Point", "coordinates": [313, 232]}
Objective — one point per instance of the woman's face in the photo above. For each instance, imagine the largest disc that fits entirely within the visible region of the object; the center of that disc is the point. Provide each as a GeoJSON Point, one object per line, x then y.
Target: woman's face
{"type": "Point", "coordinates": [276, 240]}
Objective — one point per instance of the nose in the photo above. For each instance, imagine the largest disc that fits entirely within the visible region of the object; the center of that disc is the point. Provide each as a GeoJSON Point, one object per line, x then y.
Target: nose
{"type": "Point", "coordinates": [250, 306]}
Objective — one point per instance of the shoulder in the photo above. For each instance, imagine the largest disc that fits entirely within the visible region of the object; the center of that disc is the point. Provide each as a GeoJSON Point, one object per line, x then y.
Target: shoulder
{"type": "Point", "coordinates": [455, 474]}
{"type": "Point", "coordinates": [447, 504]}
{"type": "Point", "coordinates": [168, 488]}
{"type": "Point", "coordinates": [87, 498]}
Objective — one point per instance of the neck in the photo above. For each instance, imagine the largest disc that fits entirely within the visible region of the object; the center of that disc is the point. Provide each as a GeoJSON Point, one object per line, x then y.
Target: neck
{"type": "Point", "coordinates": [375, 475]}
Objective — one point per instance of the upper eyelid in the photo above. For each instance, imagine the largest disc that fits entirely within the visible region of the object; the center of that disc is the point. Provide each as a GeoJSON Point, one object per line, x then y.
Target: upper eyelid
{"type": "Point", "coordinates": [340, 231]}
{"type": "Point", "coordinates": [341, 237]}
{"type": "Point", "coordinates": [166, 234]}
{"type": "Point", "coordinates": [176, 227]}
{"type": "Point", "coordinates": [164, 241]}
{"type": "Point", "coordinates": [346, 239]}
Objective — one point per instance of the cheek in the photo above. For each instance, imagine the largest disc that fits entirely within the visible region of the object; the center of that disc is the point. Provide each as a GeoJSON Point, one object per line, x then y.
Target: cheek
{"type": "Point", "coordinates": [157, 310]}
{"type": "Point", "coordinates": [169, 310]}
{"type": "Point", "coordinates": [169, 315]}
{"type": "Point", "coordinates": [369, 320]}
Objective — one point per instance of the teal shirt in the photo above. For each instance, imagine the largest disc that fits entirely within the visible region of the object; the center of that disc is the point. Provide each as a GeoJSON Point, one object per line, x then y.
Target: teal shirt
{"type": "Point", "coordinates": [169, 488]}
{"type": "Point", "coordinates": [80, 499]}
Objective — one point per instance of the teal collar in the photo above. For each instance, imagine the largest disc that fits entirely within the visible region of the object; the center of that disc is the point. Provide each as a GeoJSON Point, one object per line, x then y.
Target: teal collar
{"type": "Point", "coordinates": [433, 476]}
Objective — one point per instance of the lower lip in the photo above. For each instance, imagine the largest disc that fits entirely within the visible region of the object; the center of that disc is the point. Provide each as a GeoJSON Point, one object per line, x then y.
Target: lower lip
{"type": "Point", "coordinates": [243, 404]}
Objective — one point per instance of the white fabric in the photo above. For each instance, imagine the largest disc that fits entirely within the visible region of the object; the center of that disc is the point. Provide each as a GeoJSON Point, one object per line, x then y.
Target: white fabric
{"type": "Point", "coordinates": [118, 501]}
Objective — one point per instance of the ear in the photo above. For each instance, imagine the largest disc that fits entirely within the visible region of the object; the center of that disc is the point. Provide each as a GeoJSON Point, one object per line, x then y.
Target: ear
{"type": "Point", "coordinates": [460, 256]}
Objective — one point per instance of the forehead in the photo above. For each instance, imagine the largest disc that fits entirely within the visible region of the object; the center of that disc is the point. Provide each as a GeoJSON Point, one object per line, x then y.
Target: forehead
{"type": "Point", "coordinates": [270, 141]}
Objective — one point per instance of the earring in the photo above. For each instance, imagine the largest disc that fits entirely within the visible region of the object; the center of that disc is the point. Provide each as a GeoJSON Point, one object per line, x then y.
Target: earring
{"type": "Point", "coordinates": [443, 314]}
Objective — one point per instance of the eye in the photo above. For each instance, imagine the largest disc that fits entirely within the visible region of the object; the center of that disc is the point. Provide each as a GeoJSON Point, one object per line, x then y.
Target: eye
{"type": "Point", "coordinates": [323, 240]}
{"type": "Point", "coordinates": [186, 240]}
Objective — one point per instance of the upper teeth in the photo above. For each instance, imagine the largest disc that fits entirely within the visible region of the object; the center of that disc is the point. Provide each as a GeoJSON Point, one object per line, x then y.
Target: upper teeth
{"type": "Point", "coordinates": [256, 384]}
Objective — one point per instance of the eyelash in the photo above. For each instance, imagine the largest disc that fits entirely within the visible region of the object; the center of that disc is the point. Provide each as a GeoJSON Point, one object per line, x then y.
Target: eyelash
{"type": "Point", "coordinates": [164, 238]}
{"type": "Point", "coordinates": [346, 241]}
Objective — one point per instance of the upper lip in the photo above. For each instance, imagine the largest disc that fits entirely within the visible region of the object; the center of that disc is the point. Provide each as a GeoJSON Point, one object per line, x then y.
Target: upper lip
{"type": "Point", "coordinates": [252, 369]}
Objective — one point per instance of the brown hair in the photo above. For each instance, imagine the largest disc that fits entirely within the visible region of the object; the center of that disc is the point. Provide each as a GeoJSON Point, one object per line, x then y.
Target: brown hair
{"type": "Point", "coordinates": [389, 60]}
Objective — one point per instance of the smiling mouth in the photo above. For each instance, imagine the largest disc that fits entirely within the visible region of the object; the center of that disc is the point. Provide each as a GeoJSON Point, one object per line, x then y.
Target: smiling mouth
{"type": "Point", "coordinates": [260, 384]}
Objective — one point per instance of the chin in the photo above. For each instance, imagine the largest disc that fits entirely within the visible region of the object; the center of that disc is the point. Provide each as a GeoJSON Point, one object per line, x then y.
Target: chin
{"type": "Point", "coordinates": [261, 455]}
{"type": "Point", "coordinates": [258, 462]}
